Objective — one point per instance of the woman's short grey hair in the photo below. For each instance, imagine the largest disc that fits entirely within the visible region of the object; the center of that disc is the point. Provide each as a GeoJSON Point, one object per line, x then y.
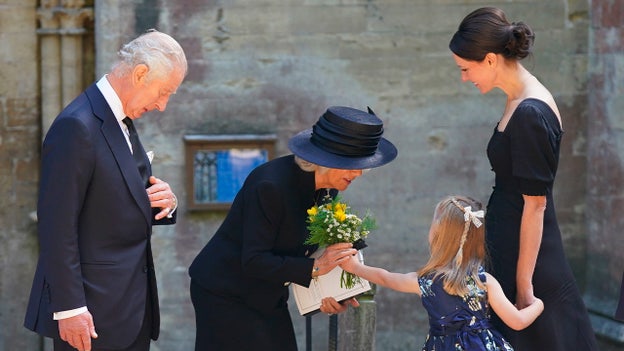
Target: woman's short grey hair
{"type": "Point", "coordinates": [158, 51]}
{"type": "Point", "coordinates": [309, 166]}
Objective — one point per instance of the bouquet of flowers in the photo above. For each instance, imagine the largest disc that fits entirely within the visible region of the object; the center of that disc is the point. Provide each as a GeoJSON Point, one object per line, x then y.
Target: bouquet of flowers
{"type": "Point", "coordinates": [332, 223]}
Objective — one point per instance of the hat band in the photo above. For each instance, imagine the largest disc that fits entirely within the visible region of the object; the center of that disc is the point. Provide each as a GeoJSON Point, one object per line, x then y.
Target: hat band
{"type": "Point", "coordinates": [339, 140]}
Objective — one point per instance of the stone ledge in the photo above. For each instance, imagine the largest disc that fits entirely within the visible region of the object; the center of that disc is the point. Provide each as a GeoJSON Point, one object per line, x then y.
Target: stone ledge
{"type": "Point", "coordinates": [607, 327]}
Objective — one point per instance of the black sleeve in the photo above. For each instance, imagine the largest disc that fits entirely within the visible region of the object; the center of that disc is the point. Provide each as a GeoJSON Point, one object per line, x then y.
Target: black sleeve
{"type": "Point", "coordinates": [532, 156]}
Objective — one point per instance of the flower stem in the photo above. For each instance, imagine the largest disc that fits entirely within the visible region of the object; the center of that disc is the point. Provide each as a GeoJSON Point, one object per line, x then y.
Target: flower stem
{"type": "Point", "coordinates": [348, 280]}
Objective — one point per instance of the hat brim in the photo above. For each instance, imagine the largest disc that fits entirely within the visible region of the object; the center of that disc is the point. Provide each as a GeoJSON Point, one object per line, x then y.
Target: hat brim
{"type": "Point", "coordinates": [301, 146]}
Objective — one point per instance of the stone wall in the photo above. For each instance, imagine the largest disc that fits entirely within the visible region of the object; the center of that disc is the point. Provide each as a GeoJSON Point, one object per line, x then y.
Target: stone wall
{"type": "Point", "coordinates": [19, 167]}
{"type": "Point", "coordinates": [273, 66]}
{"type": "Point", "coordinates": [605, 153]}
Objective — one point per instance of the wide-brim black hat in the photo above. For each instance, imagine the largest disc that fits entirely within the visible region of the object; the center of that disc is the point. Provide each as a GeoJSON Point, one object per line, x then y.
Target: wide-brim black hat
{"type": "Point", "coordinates": [344, 138]}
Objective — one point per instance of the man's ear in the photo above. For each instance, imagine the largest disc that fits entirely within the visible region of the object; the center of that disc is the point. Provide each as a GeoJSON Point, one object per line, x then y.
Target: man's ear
{"type": "Point", "coordinates": [139, 74]}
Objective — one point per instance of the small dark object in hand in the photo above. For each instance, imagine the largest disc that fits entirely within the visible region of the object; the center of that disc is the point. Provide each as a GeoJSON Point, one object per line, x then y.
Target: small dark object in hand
{"type": "Point", "coordinates": [359, 244]}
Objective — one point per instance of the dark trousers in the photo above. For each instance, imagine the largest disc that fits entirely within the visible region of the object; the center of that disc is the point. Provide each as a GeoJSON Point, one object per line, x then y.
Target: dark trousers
{"type": "Point", "coordinates": [142, 342]}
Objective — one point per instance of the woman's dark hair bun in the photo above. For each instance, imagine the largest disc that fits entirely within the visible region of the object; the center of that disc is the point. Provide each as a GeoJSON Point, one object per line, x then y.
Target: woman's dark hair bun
{"type": "Point", "coordinates": [520, 42]}
{"type": "Point", "coordinates": [486, 30]}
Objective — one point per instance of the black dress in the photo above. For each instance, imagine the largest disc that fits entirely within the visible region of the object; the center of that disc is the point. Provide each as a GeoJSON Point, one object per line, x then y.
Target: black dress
{"type": "Point", "coordinates": [524, 158]}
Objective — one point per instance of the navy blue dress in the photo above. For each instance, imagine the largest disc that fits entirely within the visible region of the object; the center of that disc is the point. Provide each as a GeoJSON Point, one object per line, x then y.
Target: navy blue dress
{"type": "Point", "coordinates": [459, 323]}
{"type": "Point", "coordinates": [524, 158]}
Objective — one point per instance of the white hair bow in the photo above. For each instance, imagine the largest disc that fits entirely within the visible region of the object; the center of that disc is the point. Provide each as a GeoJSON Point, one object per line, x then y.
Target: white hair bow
{"type": "Point", "coordinates": [469, 215]}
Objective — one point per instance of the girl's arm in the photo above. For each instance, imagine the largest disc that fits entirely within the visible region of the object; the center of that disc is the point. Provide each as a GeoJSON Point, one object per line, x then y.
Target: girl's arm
{"type": "Point", "coordinates": [531, 227]}
{"type": "Point", "coordinates": [506, 311]}
{"type": "Point", "coordinates": [407, 282]}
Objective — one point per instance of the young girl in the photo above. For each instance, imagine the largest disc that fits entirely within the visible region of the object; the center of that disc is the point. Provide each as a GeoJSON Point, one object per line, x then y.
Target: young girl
{"type": "Point", "coordinates": [455, 290]}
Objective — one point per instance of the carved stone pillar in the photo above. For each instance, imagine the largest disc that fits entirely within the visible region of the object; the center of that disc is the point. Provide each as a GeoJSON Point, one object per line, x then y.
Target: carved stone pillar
{"type": "Point", "coordinates": [61, 31]}
{"type": "Point", "coordinates": [50, 47]}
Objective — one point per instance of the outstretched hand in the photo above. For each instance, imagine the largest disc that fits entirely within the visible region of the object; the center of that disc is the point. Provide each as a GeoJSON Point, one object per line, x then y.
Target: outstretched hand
{"type": "Point", "coordinates": [78, 331]}
{"type": "Point", "coordinates": [350, 264]}
{"type": "Point", "coordinates": [333, 256]}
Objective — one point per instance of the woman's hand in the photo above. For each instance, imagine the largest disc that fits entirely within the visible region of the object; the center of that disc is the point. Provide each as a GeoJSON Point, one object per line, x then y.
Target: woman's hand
{"type": "Point", "coordinates": [330, 306]}
{"type": "Point", "coordinates": [333, 256]}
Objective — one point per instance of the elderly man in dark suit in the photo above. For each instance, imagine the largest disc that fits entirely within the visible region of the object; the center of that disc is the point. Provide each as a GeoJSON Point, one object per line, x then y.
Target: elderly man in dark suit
{"type": "Point", "coordinates": [94, 287]}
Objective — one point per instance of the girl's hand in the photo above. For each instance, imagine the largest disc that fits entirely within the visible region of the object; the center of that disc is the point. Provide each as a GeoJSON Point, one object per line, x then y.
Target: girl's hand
{"type": "Point", "coordinates": [333, 256]}
{"type": "Point", "coordinates": [525, 297]}
{"type": "Point", "coordinates": [350, 265]}
{"type": "Point", "coordinates": [539, 303]}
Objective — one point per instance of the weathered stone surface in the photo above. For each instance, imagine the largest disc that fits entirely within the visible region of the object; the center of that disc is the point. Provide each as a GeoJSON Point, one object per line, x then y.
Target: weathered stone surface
{"type": "Point", "coordinates": [19, 169]}
{"type": "Point", "coordinates": [273, 66]}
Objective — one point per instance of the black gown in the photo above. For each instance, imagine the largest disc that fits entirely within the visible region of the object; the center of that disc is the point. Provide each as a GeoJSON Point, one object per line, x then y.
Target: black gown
{"type": "Point", "coordinates": [524, 158]}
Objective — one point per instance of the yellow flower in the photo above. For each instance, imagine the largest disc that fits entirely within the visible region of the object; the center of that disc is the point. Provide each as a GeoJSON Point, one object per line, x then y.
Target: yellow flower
{"type": "Point", "coordinates": [340, 215]}
{"type": "Point", "coordinates": [330, 223]}
{"type": "Point", "coordinates": [340, 207]}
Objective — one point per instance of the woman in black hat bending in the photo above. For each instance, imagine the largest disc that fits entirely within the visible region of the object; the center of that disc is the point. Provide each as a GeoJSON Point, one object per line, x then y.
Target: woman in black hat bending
{"type": "Point", "coordinates": [239, 280]}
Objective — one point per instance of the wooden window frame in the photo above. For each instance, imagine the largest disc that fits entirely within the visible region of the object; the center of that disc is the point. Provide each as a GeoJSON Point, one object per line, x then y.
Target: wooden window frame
{"type": "Point", "coordinates": [201, 142]}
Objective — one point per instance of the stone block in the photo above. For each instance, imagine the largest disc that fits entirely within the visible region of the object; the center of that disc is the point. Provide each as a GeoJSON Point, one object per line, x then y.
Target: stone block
{"type": "Point", "coordinates": [294, 20]}
{"type": "Point", "coordinates": [356, 326]}
{"type": "Point", "coordinates": [608, 14]}
{"type": "Point", "coordinates": [562, 74]}
{"type": "Point", "coordinates": [15, 18]}
{"type": "Point", "coordinates": [21, 112]}
{"type": "Point", "coordinates": [26, 169]}
{"type": "Point", "coordinates": [416, 17]}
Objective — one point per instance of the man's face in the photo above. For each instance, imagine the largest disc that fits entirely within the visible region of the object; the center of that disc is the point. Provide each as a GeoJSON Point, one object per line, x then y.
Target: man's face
{"type": "Point", "coordinates": [148, 95]}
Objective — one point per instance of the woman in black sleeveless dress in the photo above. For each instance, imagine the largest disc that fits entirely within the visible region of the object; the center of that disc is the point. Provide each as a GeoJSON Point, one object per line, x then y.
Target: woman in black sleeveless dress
{"type": "Point", "coordinates": [522, 234]}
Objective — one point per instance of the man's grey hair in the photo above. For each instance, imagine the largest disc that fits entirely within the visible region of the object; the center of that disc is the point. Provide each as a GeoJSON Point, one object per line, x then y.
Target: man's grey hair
{"type": "Point", "coordinates": [158, 51]}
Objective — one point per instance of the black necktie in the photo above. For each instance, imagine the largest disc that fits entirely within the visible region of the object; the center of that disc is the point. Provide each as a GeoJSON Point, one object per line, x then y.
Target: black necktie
{"type": "Point", "coordinates": [138, 152]}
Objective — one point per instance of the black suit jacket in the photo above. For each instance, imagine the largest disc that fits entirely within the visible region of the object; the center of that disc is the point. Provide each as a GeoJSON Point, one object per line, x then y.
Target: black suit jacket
{"type": "Point", "coordinates": [94, 223]}
{"type": "Point", "coordinates": [260, 245]}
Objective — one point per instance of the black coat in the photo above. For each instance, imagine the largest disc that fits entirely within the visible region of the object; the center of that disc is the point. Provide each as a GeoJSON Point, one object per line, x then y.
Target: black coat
{"type": "Point", "coordinates": [259, 247]}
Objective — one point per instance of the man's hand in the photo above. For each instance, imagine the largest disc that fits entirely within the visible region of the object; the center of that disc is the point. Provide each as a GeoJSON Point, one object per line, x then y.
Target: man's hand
{"type": "Point", "coordinates": [78, 331]}
{"type": "Point", "coordinates": [161, 196]}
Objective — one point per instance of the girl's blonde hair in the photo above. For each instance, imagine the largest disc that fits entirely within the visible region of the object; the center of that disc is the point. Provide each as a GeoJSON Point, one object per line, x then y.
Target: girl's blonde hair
{"type": "Point", "coordinates": [457, 244]}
